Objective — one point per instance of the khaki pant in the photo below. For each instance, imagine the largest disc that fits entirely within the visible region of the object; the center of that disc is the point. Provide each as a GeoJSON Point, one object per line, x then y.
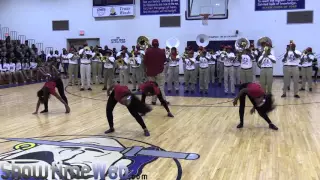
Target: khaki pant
{"type": "Point", "coordinates": [19, 74]}
{"type": "Point", "coordinates": [73, 70]}
{"type": "Point", "coordinates": [159, 79]}
{"type": "Point", "coordinates": [254, 71]}
{"type": "Point", "coordinates": [266, 79]}
{"type": "Point", "coordinates": [220, 69]}
{"type": "Point", "coordinates": [190, 80]}
{"type": "Point", "coordinates": [96, 69]}
{"type": "Point", "coordinates": [204, 79]}
{"type": "Point", "coordinates": [142, 71]}
{"type": "Point", "coordinates": [289, 71]}
{"type": "Point", "coordinates": [108, 77]}
{"type": "Point", "coordinates": [228, 72]}
{"type": "Point", "coordinates": [124, 77]}
{"type": "Point", "coordinates": [173, 77]}
{"type": "Point", "coordinates": [165, 71]}
{"type": "Point", "coordinates": [236, 74]}
{"type": "Point", "coordinates": [196, 66]}
{"type": "Point", "coordinates": [136, 77]}
{"type": "Point", "coordinates": [306, 73]}
{"type": "Point", "coordinates": [212, 70]}
{"type": "Point", "coordinates": [85, 73]}
{"type": "Point", "coordinates": [246, 75]}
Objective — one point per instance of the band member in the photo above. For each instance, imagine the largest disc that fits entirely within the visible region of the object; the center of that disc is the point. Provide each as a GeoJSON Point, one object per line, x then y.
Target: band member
{"type": "Point", "coordinates": [96, 67]}
{"type": "Point", "coordinates": [246, 67]}
{"type": "Point", "coordinates": [122, 94]}
{"type": "Point", "coordinates": [189, 73]}
{"type": "Point", "coordinates": [19, 72]}
{"type": "Point", "coordinates": [255, 55]}
{"type": "Point", "coordinates": [266, 62]}
{"type": "Point", "coordinates": [26, 69]}
{"type": "Point", "coordinates": [65, 61]}
{"type": "Point", "coordinates": [142, 66]}
{"type": "Point", "coordinates": [85, 69]}
{"type": "Point", "coordinates": [154, 65]}
{"type": "Point", "coordinates": [220, 64]}
{"type": "Point", "coordinates": [315, 68]}
{"type": "Point", "coordinates": [290, 61]}
{"type": "Point", "coordinates": [73, 68]}
{"type": "Point", "coordinates": [34, 69]}
{"type": "Point", "coordinates": [236, 70]}
{"type": "Point", "coordinates": [150, 88]}
{"type": "Point", "coordinates": [44, 94]}
{"type": "Point", "coordinates": [212, 66]}
{"type": "Point", "coordinates": [173, 71]}
{"type": "Point", "coordinates": [306, 68]}
{"type": "Point", "coordinates": [203, 70]}
{"type": "Point", "coordinates": [135, 62]}
{"type": "Point", "coordinates": [122, 62]}
{"type": "Point", "coordinates": [262, 102]}
{"type": "Point", "coordinates": [228, 70]}
{"type": "Point", "coordinates": [49, 56]}
{"type": "Point", "coordinates": [108, 61]}
{"type": "Point", "coordinates": [166, 64]}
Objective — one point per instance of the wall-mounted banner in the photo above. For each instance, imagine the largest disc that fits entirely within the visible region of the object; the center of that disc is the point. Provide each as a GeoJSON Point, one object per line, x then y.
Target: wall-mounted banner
{"type": "Point", "coordinates": [112, 11]}
{"type": "Point", "coordinates": [269, 5]}
{"type": "Point", "coordinates": [224, 37]}
{"type": "Point", "coordinates": [159, 7]}
{"type": "Point", "coordinates": [118, 40]}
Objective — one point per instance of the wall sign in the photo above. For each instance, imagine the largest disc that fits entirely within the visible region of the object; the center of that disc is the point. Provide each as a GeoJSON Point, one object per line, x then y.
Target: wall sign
{"type": "Point", "coordinates": [112, 11]}
{"type": "Point", "coordinates": [158, 7]}
{"type": "Point", "coordinates": [118, 40]}
{"type": "Point", "coordinates": [269, 5]}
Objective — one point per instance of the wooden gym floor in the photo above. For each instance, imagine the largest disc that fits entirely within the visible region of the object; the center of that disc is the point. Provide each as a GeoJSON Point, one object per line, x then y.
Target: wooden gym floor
{"type": "Point", "coordinates": [205, 126]}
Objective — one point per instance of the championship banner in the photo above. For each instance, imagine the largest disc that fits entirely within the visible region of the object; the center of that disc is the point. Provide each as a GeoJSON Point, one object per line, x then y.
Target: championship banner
{"type": "Point", "coordinates": [269, 5]}
{"type": "Point", "coordinates": [112, 11]}
{"type": "Point", "coordinates": [159, 7]}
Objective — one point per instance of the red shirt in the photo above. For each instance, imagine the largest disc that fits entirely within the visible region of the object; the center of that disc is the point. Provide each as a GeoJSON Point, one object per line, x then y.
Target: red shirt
{"type": "Point", "coordinates": [153, 85]}
{"type": "Point", "coordinates": [154, 61]}
{"type": "Point", "coordinates": [51, 86]}
{"type": "Point", "coordinates": [120, 92]}
{"type": "Point", "coordinates": [255, 90]}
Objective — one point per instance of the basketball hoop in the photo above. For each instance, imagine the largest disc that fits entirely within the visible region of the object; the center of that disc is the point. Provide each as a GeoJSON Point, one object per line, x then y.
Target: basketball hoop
{"type": "Point", "coordinates": [205, 18]}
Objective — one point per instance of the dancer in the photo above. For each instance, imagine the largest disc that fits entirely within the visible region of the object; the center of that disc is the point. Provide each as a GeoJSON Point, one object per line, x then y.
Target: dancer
{"type": "Point", "coordinates": [151, 88]}
{"type": "Point", "coordinates": [123, 95]}
{"type": "Point", "coordinates": [262, 102]}
{"type": "Point", "coordinates": [44, 94]}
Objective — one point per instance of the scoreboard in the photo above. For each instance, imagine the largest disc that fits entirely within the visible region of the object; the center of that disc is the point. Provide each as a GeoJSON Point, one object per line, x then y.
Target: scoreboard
{"type": "Point", "coordinates": [112, 2]}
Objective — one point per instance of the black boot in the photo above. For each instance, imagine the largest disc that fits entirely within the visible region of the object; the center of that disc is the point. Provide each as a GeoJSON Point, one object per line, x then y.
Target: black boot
{"type": "Point", "coordinates": [111, 130]}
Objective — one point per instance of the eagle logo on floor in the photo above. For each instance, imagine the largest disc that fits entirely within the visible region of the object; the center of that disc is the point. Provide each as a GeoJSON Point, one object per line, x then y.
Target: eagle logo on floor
{"type": "Point", "coordinates": [85, 152]}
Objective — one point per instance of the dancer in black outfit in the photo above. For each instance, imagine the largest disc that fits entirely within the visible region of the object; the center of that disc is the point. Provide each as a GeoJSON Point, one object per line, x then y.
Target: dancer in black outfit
{"type": "Point", "coordinates": [123, 95]}
{"type": "Point", "coordinates": [151, 88]}
{"type": "Point", "coordinates": [262, 102]}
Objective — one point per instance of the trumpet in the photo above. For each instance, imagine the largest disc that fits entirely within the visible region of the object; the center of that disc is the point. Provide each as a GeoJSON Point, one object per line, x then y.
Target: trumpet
{"type": "Point", "coordinates": [120, 61]}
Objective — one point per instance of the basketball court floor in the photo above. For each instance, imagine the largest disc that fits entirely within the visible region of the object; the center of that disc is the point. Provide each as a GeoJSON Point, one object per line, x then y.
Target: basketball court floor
{"type": "Point", "coordinates": [200, 142]}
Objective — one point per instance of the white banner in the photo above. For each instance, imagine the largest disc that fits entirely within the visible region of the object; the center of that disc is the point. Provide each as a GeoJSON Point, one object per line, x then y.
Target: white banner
{"type": "Point", "coordinates": [112, 11]}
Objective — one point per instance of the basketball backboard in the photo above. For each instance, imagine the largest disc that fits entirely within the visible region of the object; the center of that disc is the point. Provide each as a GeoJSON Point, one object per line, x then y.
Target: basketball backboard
{"type": "Point", "coordinates": [218, 9]}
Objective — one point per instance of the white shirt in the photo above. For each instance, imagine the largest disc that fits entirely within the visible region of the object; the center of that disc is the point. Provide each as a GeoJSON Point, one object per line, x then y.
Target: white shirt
{"type": "Point", "coordinates": [174, 63]}
{"type": "Point", "coordinates": [222, 55]}
{"type": "Point", "coordinates": [5, 67]}
{"type": "Point", "coordinates": [57, 57]}
{"type": "Point", "coordinates": [119, 53]}
{"type": "Point", "coordinates": [236, 62]}
{"type": "Point", "coordinates": [126, 60]}
{"type": "Point", "coordinates": [246, 61]}
{"type": "Point", "coordinates": [73, 59]}
{"type": "Point", "coordinates": [12, 67]}
{"type": "Point", "coordinates": [212, 59]}
{"type": "Point", "coordinates": [190, 63]}
{"type": "Point", "coordinates": [203, 62]}
{"type": "Point", "coordinates": [135, 62]}
{"type": "Point", "coordinates": [49, 56]}
{"type": "Point", "coordinates": [305, 59]}
{"type": "Point", "coordinates": [95, 59]}
{"type": "Point", "coordinates": [109, 65]}
{"type": "Point", "coordinates": [292, 60]}
{"type": "Point", "coordinates": [228, 60]}
{"type": "Point", "coordinates": [66, 57]}
{"type": "Point", "coordinates": [18, 66]}
{"type": "Point", "coordinates": [266, 61]}
{"type": "Point", "coordinates": [85, 60]}
{"type": "Point", "coordinates": [33, 65]}
{"type": "Point", "coordinates": [255, 54]}
{"type": "Point", "coordinates": [25, 66]}
{"type": "Point", "coordinates": [195, 55]}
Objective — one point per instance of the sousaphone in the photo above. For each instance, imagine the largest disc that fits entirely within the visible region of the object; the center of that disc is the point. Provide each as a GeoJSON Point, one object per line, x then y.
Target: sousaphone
{"type": "Point", "coordinates": [172, 42]}
{"type": "Point", "coordinates": [143, 42]}
{"type": "Point", "coordinates": [202, 40]}
{"type": "Point", "coordinates": [263, 40]}
{"type": "Point", "coordinates": [242, 44]}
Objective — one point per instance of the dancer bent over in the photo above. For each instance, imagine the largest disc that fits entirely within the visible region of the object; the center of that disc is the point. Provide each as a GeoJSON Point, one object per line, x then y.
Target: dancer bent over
{"type": "Point", "coordinates": [151, 88]}
{"type": "Point", "coordinates": [262, 102]}
{"type": "Point", "coordinates": [123, 95]}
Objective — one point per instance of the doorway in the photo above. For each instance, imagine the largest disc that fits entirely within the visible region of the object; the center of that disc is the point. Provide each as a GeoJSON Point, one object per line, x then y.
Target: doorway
{"type": "Point", "coordinates": [77, 43]}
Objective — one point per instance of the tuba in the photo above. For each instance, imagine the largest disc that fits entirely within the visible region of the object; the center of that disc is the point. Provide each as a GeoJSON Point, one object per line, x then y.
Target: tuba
{"type": "Point", "coordinates": [173, 42]}
{"type": "Point", "coordinates": [202, 40]}
{"type": "Point", "coordinates": [261, 41]}
{"type": "Point", "coordinates": [143, 42]}
{"type": "Point", "coordinates": [242, 44]}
